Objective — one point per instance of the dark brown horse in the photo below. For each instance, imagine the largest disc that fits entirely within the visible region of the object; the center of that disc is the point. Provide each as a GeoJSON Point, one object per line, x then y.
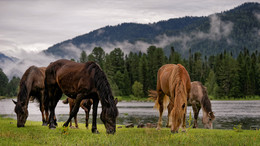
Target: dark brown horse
{"type": "Point", "coordinates": [31, 86]}
{"type": "Point", "coordinates": [80, 81]}
{"type": "Point", "coordinates": [85, 105]}
{"type": "Point", "coordinates": [173, 81]}
{"type": "Point", "coordinates": [199, 99]}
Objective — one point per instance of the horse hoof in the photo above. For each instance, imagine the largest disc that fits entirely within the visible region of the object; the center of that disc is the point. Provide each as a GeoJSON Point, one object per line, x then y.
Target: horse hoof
{"type": "Point", "coordinates": [52, 127]}
{"type": "Point", "coordinates": [44, 124]}
{"type": "Point", "coordinates": [95, 132]}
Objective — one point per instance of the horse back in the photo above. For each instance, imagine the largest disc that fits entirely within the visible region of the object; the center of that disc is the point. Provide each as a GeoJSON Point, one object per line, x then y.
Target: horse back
{"type": "Point", "coordinates": [196, 93]}
{"type": "Point", "coordinates": [71, 77]}
{"type": "Point", "coordinates": [163, 78]}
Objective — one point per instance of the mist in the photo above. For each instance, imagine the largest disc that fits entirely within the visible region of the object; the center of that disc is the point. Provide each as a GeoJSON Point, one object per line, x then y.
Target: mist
{"type": "Point", "coordinates": [25, 59]}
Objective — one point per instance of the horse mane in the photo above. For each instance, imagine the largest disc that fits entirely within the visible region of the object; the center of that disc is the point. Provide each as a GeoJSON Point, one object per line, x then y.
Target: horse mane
{"type": "Point", "coordinates": [180, 88]}
{"type": "Point", "coordinates": [25, 83]}
{"type": "Point", "coordinates": [103, 88]}
{"type": "Point", "coordinates": [206, 104]}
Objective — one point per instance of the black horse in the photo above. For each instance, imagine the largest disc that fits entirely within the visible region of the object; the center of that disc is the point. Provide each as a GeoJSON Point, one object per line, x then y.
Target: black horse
{"type": "Point", "coordinates": [80, 81]}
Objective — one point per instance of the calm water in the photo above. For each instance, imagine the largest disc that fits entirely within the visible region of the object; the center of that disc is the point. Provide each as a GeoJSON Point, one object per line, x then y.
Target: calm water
{"type": "Point", "coordinates": [228, 113]}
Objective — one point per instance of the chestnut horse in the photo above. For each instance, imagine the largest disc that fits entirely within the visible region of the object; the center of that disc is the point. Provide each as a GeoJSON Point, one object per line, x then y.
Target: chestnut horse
{"type": "Point", "coordinates": [31, 86]}
{"type": "Point", "coordinates": [198, 99]}
{"type": "Point", "coordinates": [85, 105]}
{"type": "Point", "coordinates": [173, 81]}
{"type": "Point", "coordinates": [80, 81]}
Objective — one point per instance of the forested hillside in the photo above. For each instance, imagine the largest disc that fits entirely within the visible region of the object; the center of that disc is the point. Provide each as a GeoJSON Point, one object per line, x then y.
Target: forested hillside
{"type": "Point", "coordinates": [136, 73]}
{"type": "Point", "coordinates": [230, 30]}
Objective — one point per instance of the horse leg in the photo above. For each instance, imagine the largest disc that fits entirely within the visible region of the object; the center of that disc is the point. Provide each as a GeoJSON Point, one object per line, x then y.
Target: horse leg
{"type": "Point", "coordinates": [160, 101]}
{"type": "Point", "coordinates": [86, 109]}
{"type": "Point", "coordinates": [184, 120]}
{"type": "Point", "coordinates": [94, 120]}
{"type": "Point", "coordinates": [196, 114]}
{"type": "Point", "coordinates": [71, 107]}
{"type": "Point", "coordinates": [42, 109]}
{"type": "Point", "coordinates": [169, 107]}
{"type": "Point", "coordinates": [74, 110]}
{"type": "Point", "coordinates": [76, 121]}
{"type": "Point", "coordinates": [52, 117]}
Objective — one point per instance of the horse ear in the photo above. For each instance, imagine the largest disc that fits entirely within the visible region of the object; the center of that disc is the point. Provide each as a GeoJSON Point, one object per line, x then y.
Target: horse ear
{"type": "Point", "coordinates": [14, 102]}
{"type": "Point", "coordinates": [116, 101]}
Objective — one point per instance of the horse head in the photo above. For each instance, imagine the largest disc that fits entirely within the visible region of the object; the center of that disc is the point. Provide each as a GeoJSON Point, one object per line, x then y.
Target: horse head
{"type": "Point", "coordinates": [208, 120]}
{"type": "Point", "coordinates": [108, 117]}
{"type": "Point", "coordinates": [21, 112]}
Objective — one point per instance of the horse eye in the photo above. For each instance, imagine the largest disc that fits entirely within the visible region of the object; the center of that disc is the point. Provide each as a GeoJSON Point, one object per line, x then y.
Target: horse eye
{"type": "Point", "coordinates": [210, 119]}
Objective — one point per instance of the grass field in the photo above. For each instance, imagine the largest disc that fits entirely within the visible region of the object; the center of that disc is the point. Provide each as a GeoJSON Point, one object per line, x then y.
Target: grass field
{"type": "Point", "coordinates": [35, 134]}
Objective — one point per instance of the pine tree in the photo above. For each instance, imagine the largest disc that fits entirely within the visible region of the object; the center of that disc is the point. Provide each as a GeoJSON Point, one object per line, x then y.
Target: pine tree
{"type": "Point", "coordinates": [3, 83]}
{"type": "Point", "coordinates": [143, 73]}
{"type": "Point", "coordinates": [83, 57]}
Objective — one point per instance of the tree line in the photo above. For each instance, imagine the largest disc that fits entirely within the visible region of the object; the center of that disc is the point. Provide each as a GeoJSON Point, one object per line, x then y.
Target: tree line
{"type": "Point", "coordinates": [135, 73]}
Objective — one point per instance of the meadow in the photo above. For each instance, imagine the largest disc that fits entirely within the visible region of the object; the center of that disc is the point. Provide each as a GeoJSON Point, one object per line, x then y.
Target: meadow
{"type": "Point", "coordinates": [35, 134]}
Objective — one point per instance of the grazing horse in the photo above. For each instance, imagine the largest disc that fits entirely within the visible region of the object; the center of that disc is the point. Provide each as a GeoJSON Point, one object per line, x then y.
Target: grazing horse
{"type": "Point", "coordinates": [85, 105]}
{"type": "Point", "coordinates": [199, 99]}
{"type": "Point", "coordinates": [80, 81]}
{"type": "Point", "coordinates": [173, 81]}
{"type": "Point", "coordinates": [31, 86]}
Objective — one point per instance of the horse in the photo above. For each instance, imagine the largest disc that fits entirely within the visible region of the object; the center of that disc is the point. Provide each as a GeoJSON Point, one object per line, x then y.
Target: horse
{"type": "Point", "coordinates": [198, 99]}
{"type": "Point", "coordinates": [80, 81]}
{"type": "Point", "coordinates": [173, 81]}
{"type": "Point", "coordinates": [85, 105]}
{"type": "Point", "coordinates": [31, 87]}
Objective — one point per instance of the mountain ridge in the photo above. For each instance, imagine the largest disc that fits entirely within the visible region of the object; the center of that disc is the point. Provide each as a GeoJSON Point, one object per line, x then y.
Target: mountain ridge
{"type": "Point", "coordinates": [230, 30]}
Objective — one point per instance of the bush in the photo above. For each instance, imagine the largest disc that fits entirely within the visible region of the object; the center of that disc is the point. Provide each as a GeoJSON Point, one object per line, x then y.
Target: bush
{"type": "Point", "coordinates": [137, 89]}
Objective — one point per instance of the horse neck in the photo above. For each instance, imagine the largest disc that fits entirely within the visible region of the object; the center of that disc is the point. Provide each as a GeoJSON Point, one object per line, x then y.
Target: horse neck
{"type": "Point", "coordinates": [103, 87]}
{"type": "Point", "coordinates": [205, 104]}
{"type": "Point", "coordinates": [23, 95]}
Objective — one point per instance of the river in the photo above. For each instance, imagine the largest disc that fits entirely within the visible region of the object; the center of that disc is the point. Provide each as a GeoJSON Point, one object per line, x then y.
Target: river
{"type": "Point", "coordinates": [228, 113]}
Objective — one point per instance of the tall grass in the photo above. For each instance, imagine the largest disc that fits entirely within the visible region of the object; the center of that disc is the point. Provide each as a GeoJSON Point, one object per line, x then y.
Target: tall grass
{"type": "Point", "coordinates": [35, 134]}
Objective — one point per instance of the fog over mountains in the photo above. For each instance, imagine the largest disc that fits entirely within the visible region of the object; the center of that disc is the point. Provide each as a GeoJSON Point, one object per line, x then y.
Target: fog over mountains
{"type": "Point", "coordinates": [230, 30]}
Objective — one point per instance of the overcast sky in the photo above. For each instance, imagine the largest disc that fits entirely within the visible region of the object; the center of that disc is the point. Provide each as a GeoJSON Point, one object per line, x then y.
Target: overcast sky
{"type": "Point", "coordinates": [35, 25]}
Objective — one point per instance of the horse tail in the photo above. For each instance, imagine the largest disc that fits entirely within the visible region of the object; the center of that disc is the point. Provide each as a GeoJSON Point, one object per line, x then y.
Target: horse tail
{"type": "Point", "coordinates": [166, 101]}
{"type": "Point", "coordinates": [66, 101]}
{"type": "Point", "coordinates": [152, 94]}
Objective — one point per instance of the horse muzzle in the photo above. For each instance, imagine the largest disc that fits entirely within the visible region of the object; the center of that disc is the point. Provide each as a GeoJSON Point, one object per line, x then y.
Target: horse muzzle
{"type": "Point", "coordinates": [20, 125]}
{"type": "Point", "coordinates": [111, 131]}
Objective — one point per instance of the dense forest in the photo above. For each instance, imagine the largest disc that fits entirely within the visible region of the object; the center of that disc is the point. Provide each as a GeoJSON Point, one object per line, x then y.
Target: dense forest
{"type": "Point", "coordinates": [229, 30]}
{"type": "Point", "coordinates": [135, 73]}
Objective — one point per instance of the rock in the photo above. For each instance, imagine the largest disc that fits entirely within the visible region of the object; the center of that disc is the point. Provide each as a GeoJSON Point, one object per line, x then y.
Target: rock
{"type": "Point", "coordinates": [131, 125]}
{"type": "Point", "coordinates": [140, 125]}
{"type": "Point", "coordinates": [151, 125]}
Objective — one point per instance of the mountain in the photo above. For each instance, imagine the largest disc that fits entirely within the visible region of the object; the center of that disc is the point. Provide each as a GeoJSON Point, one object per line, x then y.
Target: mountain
{"type": "Point", "coordinates": [4, 58]}
{"type": "Point", "coordinates": [231, 30]}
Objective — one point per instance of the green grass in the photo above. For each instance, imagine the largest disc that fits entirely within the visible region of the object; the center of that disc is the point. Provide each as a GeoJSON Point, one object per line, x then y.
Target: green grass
{"type": "Point", "coordinates": [35, 134]}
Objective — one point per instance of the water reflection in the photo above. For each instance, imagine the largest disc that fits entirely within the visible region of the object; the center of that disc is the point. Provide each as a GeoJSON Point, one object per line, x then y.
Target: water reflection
{"type": "Point", "coordinates": [228, 113]}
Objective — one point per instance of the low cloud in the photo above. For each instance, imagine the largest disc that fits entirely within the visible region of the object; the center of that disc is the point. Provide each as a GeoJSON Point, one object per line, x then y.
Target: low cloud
{"type": "Point", "coordinates": [217, 30]}
{"type": "Point", "coordinates": [23, 61]}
